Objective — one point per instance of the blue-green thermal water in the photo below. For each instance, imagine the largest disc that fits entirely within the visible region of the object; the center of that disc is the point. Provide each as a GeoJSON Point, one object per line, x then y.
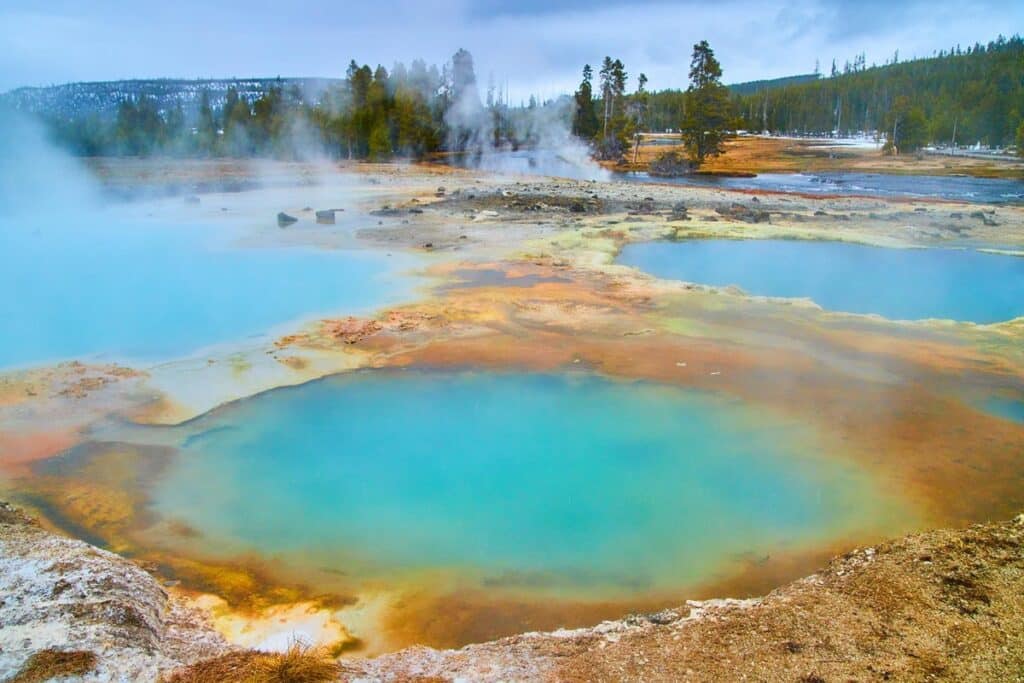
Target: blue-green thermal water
{"type": "Point", "coordinates": [1006, 408]}
{"type": "Point", "coordinates": [900, 284]}
{"type": "Point", "coordinates": [101, 285]}
{"type": "Point", "coordinates": [570, 484]}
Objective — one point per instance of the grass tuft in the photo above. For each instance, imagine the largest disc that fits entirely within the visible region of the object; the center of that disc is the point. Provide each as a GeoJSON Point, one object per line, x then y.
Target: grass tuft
{"type": "Point", "coordinates": [51, 663]}
{"type": "Point", "coordinates": [298, 664]}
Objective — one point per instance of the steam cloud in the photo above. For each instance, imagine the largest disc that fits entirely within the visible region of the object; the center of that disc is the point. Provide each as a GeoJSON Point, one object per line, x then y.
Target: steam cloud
{"type": "Point", "coordinates": [548, 146]}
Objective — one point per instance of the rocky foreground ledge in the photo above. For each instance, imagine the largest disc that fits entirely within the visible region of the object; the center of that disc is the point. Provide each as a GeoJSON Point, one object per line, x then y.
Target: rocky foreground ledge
{"type": "Point", "coordinates": [71, 610]}
{"type": "Point", "coordinates": [943, 605]}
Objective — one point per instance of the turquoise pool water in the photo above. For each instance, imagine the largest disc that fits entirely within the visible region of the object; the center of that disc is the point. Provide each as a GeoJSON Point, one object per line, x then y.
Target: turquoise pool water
{"type": "Point", "coordinates": [1006, 408]}
{"type": "Point", "coordinates": [101, 285]}
{"type": "Point", "coordinates": [568, 484]}
{"type": "Point", "coordinates": [900, 284]}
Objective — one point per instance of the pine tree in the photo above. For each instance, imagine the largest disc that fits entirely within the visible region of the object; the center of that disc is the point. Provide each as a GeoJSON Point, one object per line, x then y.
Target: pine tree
{"type": "Point", "coordinates": [638, 107]}
{"type": "Point", "coordinates": [206, 127]}
{"type": "Point", "coordinates": [380, 142]}
{"type": "Point", "coordinates": [908, 128]}
{"type": "Point", "coordinates": [617, 126]}
{"type": "Point", "coordinates": [706, 122]}
{"type": "Point", "coordinates": [463, 111]}
{"type": "Point", "coordinates": [607, 79]}
{"type": "Point", "coordinates": [237, 120]}
{"type": "Point", "coordinates": [463, 76]}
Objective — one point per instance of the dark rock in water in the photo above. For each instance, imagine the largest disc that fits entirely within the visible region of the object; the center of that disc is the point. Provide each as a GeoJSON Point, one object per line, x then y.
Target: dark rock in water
{"type": "Point", "coordinates": [428, 245]}
{"type": "Point", "coordinates": [645, 207]}
{"type": "Point", "coordinates": [671, 165]}
{"type": "Point", "coordinates": [284, 220]}
{"type": "Point", "coordinates": [819, 212]}
{"type": "Point", "coordinates": [985, 219]}
{"type": "Point", "coordinates": [739, 212]}
{"type": "Point", "coordinates": [577, 207]}
{"type": "Point", "coordinates": [387, 210]}
{"type": "Point", "coordinates": [678, 212]}
{"type": "Point", "coordinates": [325, 217]}
{"type": "Point", "coordinates": [191, 199]}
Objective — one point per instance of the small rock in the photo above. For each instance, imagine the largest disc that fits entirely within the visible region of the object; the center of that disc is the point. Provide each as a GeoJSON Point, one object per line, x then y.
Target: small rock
{"type": "Point", "coordinates": [663, 617]}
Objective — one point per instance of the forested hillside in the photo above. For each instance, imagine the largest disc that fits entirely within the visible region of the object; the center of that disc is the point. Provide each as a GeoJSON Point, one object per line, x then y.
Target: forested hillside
{"type": "Point", "coordinates": [371, 113]}
{"type": "Point", "coordinates": [961, 96]}
{"type": "Point", "coordinates": [751, 87]}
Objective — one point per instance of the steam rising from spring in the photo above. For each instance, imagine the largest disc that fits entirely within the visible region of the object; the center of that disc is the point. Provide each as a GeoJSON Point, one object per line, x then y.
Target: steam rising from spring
{"type": "Point", "coordinates": [544, 144]}
{"type": "Point", "coordinates": [36, 177]}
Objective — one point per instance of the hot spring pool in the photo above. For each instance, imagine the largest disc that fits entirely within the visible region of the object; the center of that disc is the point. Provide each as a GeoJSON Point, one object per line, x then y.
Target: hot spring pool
{"type": "Point", "coordinates": [562, 484]}
{"type": "Point", "coordinates": [900, 284]}
{"type": "Point", "coordinates": [106, 286]}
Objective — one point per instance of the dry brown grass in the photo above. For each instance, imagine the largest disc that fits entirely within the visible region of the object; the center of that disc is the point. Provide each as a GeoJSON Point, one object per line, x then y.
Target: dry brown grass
{"type": "Point", "coordinates": [750, 154]}
{"type": "Point", "coordinates": [51, 663]}
{"type": "Point", "coordinates": [298, 664]}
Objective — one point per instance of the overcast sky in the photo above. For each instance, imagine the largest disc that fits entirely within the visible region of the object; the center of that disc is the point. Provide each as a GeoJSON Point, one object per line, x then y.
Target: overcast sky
{"type": "Point", "coordinates": [537, 46]}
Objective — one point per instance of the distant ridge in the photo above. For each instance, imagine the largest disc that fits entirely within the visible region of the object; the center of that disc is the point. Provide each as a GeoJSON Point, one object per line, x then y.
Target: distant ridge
{"type": "Point", "coordinates": [102, 98]}
{"type": "Point", "coordinates": [751, 87]}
